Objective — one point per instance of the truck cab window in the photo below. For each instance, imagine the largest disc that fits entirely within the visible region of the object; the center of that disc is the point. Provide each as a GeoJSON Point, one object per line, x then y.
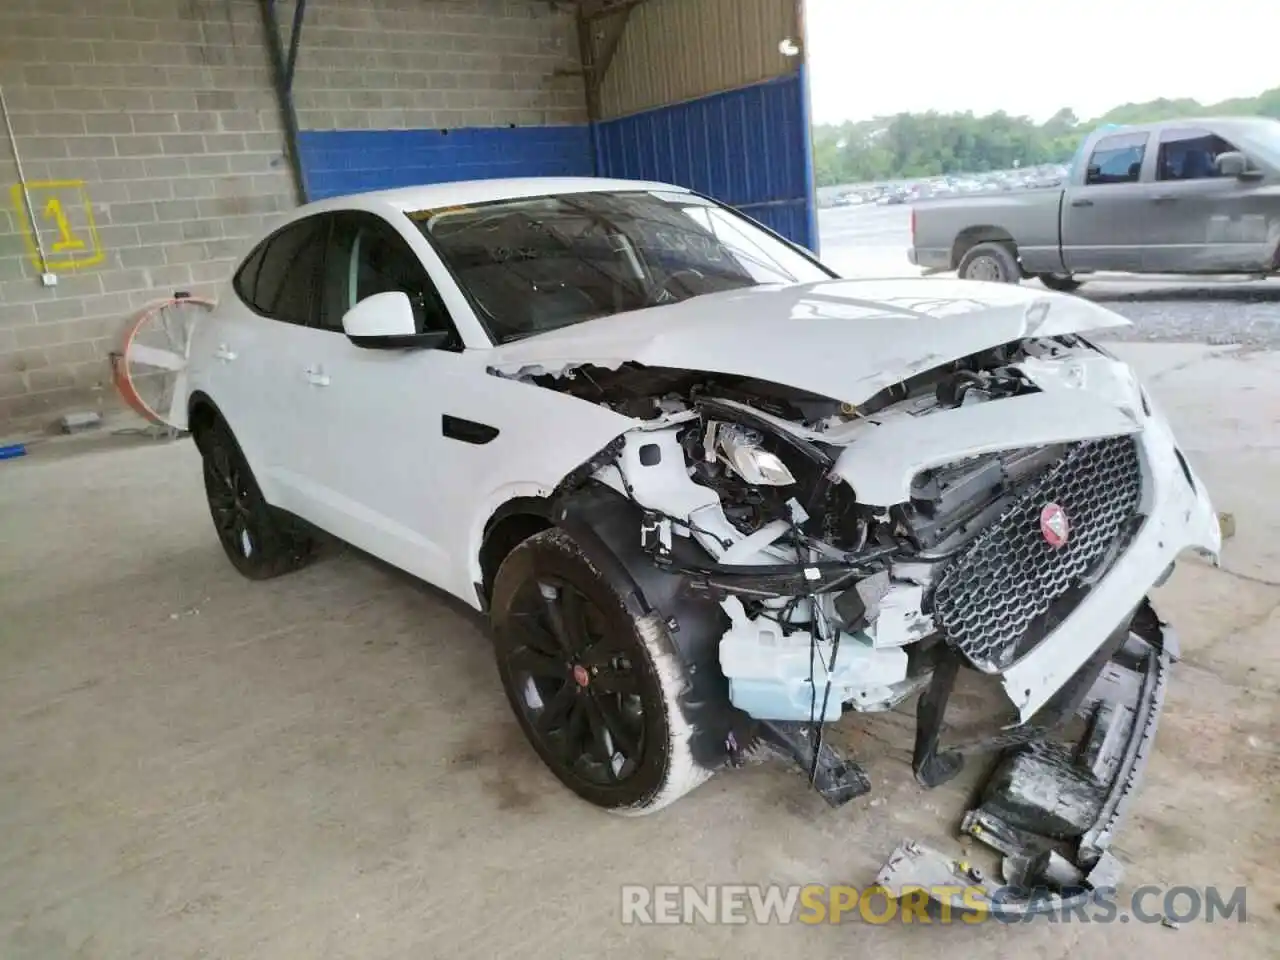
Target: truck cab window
{"type": "Point", "coordinates": [1190, 154]}
{"type": "Point", "coordinates": [1117, 159]}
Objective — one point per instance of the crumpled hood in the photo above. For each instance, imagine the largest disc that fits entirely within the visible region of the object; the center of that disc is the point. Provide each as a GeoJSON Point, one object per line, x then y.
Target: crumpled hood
{"type": "Point", "coordinates": [844, 339]}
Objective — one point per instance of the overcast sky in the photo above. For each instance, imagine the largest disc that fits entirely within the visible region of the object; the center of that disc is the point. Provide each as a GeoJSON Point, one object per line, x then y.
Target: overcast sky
{"type": "Point", "coordinates": [1034, 57]}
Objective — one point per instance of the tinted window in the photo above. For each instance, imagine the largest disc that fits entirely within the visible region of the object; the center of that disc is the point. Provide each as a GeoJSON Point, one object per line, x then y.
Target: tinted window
{"type": "Point", "coordinates": [286, 285]}
{"type": "Point", "coordinates": [246, 278]}
{"type": "Point", "coordinates": [1117, 159]}
{"type": "Point", "coordinates": [1190, 154]}
{"type": "Point", "coordinates": [366, 256]}
{"type": "Point", "coordinates": [540, 263]}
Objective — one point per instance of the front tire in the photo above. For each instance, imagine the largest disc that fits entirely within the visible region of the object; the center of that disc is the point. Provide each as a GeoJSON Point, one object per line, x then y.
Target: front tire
{"type": "Point", "coordinates": [992, 262]}
{"type": "Point", "coordinates": [1062, 282]}
{"type": "Point", "coordinates": [595, 690]}
{"type": "Point", "coordinates": [257, 541]}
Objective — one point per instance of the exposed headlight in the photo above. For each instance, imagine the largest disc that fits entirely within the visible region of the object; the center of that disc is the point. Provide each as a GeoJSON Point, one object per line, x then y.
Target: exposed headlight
{"type": "Point", "coordinates": [740, 449]}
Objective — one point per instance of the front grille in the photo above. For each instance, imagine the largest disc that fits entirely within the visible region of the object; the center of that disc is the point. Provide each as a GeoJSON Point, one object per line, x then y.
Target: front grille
{"type": "Point", "coordinates": [1005, 583]}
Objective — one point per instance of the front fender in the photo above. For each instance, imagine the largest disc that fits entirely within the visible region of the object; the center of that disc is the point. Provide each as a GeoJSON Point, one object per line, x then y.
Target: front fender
{"type": "Point", "coordinates": [606, 527]}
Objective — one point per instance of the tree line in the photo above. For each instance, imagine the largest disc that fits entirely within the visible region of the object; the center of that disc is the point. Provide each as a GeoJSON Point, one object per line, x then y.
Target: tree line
{"type": "Point", "coordinates": [929, 144]}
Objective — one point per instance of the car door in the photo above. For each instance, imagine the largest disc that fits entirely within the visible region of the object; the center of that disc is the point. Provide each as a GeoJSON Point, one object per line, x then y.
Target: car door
{"type": "Point", "coordinates": [253, 356]}
{"type": "Point", "coordinates": [1197, 220]}
{"type": "Point", "coordinates": [369, 436]}
{"type": "Point", "coordinates": [1101, 215]}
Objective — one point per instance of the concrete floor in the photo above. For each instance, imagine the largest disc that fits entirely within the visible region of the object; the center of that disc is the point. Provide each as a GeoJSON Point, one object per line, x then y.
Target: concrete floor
{"type": "Point", "coordinates": [323, 766]}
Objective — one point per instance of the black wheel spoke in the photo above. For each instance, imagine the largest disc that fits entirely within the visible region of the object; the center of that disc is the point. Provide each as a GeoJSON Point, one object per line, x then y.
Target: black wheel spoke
{"type": "Point", "coordinates": [575, 618]}
{"type": "Point", "coordinates": [536, 636]}
{"type": "Point", "coordinates": [552, 597]}
{"type": "Point", "coordinates": [536, 663]}
{"type": "Point", "coordinates": [600, 736]}
{"type": "Point", "coordinates": [222, 466]}
{"type": "Point", "coordinates": [575, 730]}
{"type": "Point", "coordinates": [219, 499]}
{"type": "Point", "coordinates": [557, 709]}
{"type": "Point", "coordinates": [623, 740]}
{"type": "Point", "coordinates": [225, 520]}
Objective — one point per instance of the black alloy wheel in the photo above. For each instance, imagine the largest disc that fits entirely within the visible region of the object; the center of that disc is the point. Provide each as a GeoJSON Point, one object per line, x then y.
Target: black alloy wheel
{"type": "Point", "coordinates": [578, 689]}
{"type": "Point", "coordinates": [596, 690]}
{"type": "Point", "coordinates": [258, 543]}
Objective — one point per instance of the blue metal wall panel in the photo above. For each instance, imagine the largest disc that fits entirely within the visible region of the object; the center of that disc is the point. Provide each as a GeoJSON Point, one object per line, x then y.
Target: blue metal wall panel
{"type": "Point", "coordinates": [352, 161]}
{"type": "Point", "coordinates": [747, 147]}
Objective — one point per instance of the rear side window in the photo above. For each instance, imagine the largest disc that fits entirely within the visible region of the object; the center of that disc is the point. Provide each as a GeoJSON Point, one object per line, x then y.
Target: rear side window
{"type": "Point", "coordinates": [245, 281]}
{"type": "Point", "coordinates": [1117, 159]}
{"type": "Point", "coordinates": [279, 279]}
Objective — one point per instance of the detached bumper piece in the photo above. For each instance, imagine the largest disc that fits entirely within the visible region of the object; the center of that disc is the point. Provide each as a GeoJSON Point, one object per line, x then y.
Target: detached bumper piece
{"type": "Point", "coordinates": [1052, 807]}
{"type": "Point", "coordinates": [837, 779]}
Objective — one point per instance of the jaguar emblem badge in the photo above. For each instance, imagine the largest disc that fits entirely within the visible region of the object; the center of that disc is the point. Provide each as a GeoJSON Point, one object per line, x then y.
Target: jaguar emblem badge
{"type": "Point", "coordinates": [1054, 525]}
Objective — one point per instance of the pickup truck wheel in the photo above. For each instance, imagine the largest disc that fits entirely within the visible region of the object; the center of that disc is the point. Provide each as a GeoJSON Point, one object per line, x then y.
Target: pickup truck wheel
{"type": "Point", "coordinates": [992, 262]}
{"type": "Point", "coordinates": [1062, 282]}
{"type": "Point", "coordinates": [596, 691]}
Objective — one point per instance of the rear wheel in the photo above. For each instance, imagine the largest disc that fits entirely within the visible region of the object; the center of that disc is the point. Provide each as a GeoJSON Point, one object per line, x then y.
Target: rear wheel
{"type": "Point", "coordinates": [258, 542]}
{"type": "Point", "coordinates": [993, 262]}
{"type": "Point", "coordinates": [595, 690]}
{"type": "Point", "coordinates": [1062, 282]}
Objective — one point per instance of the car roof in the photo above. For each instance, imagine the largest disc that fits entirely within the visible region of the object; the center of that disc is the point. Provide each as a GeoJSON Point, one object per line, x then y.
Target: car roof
{"type": "Point", "coordinates": [429, 196]}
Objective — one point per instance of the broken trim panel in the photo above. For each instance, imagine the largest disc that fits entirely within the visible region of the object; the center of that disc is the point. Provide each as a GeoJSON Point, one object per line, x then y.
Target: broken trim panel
{"type": "Point", "coordinates": [1049, 863]}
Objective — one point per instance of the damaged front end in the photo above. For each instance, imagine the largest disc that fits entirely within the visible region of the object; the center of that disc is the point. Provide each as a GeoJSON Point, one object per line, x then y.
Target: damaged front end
{"type": "Point", "coordinates": [1004, 514]}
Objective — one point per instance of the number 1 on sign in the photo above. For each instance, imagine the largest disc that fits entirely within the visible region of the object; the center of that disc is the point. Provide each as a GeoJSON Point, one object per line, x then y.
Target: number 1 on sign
{"type": "Point", "coordinates": [66, 239]}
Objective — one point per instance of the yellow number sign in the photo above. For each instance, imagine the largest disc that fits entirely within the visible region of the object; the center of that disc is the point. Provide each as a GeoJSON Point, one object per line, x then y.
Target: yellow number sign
{"type": "Point", "coordinates": [64, 217]}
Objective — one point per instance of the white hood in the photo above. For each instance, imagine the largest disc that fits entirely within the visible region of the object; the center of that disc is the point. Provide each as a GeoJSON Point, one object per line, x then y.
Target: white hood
{"type": "Point", "coordinates": [843, 339]}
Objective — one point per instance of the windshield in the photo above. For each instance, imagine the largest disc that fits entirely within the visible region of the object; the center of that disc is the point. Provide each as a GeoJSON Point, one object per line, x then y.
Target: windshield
{"type": "Point", "coordinates": [537, 264]}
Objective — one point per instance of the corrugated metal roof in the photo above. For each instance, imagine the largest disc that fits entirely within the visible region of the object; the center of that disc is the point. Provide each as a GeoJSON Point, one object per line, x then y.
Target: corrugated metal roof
{"type": "Point", "coordinates": [676, 50]}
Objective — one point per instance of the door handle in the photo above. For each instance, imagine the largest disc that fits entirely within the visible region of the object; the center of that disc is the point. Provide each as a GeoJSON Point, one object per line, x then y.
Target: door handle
{"type": "Point", "coordinates": [1082, 203]}
{"type": "Point", "coordinates": [1164, 198]}
{"type": "Point", "coordinates": [224, 353]}
{"type": "Point", "coordinates": [317, 376]}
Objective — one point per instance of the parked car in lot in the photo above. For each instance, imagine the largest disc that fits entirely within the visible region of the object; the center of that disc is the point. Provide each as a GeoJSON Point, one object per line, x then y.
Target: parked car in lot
{"type": "Point", "coordinates": [710, 496]}
{"type": "Point", "coordinates": [1187, 197]}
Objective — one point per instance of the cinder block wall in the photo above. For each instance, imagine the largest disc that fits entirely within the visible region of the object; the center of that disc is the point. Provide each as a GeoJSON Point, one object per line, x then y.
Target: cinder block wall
{"type": "Point", "coordinates": [151, 142]}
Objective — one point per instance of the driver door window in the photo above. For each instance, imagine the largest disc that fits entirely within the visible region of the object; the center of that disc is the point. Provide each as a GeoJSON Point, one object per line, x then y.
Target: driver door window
{"type": "Point", "coordinates": [1190, 154]}
{"type": "Point", "coordinates": [365, 257]}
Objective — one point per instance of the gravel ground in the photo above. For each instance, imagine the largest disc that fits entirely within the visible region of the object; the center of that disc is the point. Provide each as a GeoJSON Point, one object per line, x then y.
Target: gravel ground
{"type": "Point", "coordinates": [1222, 312]}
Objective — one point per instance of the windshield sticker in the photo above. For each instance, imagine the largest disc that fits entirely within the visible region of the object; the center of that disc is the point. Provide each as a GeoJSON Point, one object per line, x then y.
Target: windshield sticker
{"type": "Point", "coordinates": [417, 216]}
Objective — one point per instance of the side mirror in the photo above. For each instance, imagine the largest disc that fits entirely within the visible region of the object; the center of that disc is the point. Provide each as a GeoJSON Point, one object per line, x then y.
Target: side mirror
{"type": "Point", "coordinates": [385, 321]}
{"type": "Point", "coordinates": [1234, 164]}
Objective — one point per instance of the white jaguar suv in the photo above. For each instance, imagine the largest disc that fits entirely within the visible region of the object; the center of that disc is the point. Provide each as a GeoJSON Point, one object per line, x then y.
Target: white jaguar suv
{"type": "Point", "coordinates": [710, 496]}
